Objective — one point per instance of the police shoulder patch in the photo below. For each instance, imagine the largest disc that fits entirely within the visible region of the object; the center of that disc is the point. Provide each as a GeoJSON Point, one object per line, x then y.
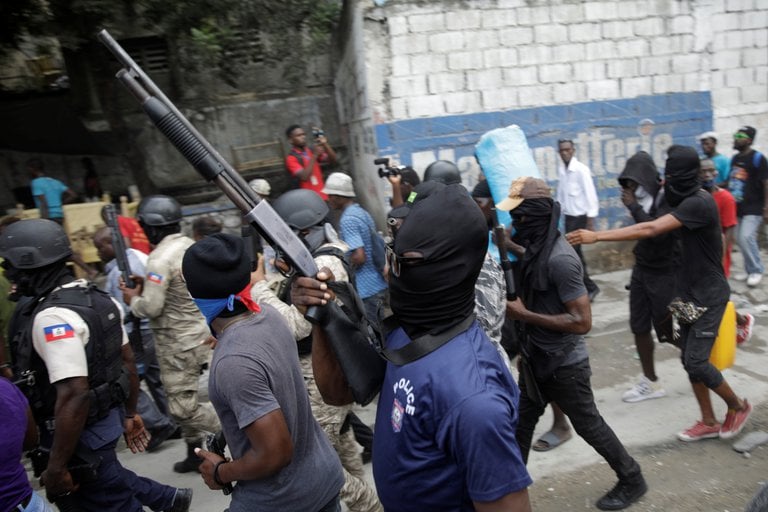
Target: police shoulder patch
{"type": "Point", "coordinates": [58, 332]}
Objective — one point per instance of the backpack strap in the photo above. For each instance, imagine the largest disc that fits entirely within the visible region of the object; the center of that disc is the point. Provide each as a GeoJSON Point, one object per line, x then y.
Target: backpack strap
{"type": "Point", "coordinates": [756, 156]}
{"type": "Point", "coordinates": [424, 345]}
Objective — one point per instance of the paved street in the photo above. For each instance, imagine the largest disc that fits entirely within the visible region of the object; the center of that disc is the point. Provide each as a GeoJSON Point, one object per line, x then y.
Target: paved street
{"type": "Point", "coordinates": [682, 477]}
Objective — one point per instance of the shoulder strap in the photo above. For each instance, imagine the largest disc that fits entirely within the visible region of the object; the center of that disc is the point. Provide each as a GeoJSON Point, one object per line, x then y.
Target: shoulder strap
{"type": "Point", "coordinates": [424, 345]}
{"type": "Point", "coordinates": [298, 156]}
{"type": "Point", "coordinates": [756, 158]}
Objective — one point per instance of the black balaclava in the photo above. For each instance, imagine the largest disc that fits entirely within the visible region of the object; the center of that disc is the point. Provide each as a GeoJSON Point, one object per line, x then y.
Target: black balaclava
{"type": "Point", "coordinates": [443, 223]}
{"type": "Point", "coordinates": [681, 174]}
{"type": "Point", "coordinates": [535, 221]}
{"type": "Point", "coordinates": [39, 281]}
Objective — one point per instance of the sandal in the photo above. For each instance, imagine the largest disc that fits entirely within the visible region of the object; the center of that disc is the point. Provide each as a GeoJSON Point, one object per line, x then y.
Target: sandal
{"type": "Point", "coordinates": [550, 441]}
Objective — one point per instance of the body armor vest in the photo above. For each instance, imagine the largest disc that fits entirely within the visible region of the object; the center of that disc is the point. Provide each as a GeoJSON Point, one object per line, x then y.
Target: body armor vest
{"type": "Point", "coordinates": [107, 382]}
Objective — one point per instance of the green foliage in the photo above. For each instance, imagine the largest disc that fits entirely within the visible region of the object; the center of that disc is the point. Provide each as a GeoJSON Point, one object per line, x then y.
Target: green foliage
{"type": "Point", "coordinates": [203, 33]}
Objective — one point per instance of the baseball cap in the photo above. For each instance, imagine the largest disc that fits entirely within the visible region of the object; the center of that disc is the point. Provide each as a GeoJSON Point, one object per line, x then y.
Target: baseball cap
{"type": "Point", "coordinates": [339, 184]}
{"type": "Point", "coordinates": [522, 189]}
{"type": "Point", "coordinates": [708, 135]}
{"type": "Point", "coordinates": [748, 131]}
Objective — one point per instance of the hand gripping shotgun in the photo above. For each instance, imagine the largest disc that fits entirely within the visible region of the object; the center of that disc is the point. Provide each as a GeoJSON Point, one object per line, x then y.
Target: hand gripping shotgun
{"type": "Point", "coordinates": [209, 163]}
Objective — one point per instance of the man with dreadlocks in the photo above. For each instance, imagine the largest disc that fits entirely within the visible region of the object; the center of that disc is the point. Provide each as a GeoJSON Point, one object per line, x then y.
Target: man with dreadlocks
{"type": "Point", "coordinates": [554, 311]}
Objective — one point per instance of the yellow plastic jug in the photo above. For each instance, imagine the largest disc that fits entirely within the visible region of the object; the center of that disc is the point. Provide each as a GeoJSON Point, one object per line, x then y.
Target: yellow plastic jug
{"type": "Point", "coordinates": [723, 352]}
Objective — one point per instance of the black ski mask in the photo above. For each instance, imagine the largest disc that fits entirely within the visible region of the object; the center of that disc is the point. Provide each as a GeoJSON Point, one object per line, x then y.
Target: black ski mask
{"type": "Point", "coordinates": [681, 174]}
{"type": "Point", "coordinates": [446, 229]}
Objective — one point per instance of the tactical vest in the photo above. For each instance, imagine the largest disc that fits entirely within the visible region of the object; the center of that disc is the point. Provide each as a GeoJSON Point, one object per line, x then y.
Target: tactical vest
{"type": "Point", "coordinates": [107, 381]}
{"type": "Point", "coordinates": [284, 289]}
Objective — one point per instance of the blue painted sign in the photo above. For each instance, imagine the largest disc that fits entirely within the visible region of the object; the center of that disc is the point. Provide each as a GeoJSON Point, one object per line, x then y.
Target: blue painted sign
{"type": "Point", "coordinates": [605, 133]}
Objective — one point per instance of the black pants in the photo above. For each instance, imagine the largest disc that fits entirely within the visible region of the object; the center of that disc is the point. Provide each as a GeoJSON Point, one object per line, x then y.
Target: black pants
{"type": "Point", "coordinates": [572, 223]}
{"type": "Point", "coordinates": [570, 388]}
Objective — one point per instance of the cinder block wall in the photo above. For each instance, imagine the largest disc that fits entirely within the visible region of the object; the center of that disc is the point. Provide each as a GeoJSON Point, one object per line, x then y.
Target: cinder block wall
{"type": "Point", "coordinates": [483, 55]}
{"type": "Point", "coordinates": [429, 78]}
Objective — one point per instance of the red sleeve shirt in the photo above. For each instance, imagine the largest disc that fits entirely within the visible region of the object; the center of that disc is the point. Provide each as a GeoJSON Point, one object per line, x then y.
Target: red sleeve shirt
{"type": "Point", "coordinates": [295, 164]}
{"type": "Point", "coordinates": [130, 229]}
{"type": "Point", "coordinates": [726, 205]}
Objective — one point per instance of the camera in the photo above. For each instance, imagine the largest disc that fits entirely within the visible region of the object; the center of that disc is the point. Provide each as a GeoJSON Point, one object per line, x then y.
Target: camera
{"type": "Point", "coordinates": [317, 132]}
{"type": "Point", "coordinates": [387, 170]}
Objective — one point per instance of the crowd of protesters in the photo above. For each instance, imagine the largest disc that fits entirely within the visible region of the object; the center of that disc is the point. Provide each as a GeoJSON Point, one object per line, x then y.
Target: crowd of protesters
{"type": "Point", "coordinates": [454, 425]}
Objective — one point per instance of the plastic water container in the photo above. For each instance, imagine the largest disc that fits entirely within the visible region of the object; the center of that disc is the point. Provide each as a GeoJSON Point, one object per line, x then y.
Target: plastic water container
{"type": "Point", "coordinates": [723, 353]}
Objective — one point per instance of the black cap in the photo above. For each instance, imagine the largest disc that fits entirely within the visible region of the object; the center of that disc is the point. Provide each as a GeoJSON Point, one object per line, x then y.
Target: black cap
{"type": "Point", "coordinates": [216, 267]}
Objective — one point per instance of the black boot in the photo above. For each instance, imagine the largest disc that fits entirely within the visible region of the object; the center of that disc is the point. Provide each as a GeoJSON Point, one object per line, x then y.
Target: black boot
{"type": "Point", "coordinates": [623, 495]}
{"type": "Point", "coordinates": [182, 500]}
{"type": "Point", "coordinates": [192, 462]}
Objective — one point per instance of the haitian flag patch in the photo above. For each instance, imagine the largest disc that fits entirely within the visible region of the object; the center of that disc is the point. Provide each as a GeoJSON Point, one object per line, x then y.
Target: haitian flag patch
{"type": "Point", "coordinates": [154, 278]}
{"type": "Point", "coordinates": [58, 332]}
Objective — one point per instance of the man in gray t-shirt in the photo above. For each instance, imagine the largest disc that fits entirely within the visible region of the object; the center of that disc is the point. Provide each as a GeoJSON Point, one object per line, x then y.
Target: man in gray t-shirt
{"type": "Point", "coordinates": [282, 459]}
{"type": "Point", "coordinates": [554, 309]}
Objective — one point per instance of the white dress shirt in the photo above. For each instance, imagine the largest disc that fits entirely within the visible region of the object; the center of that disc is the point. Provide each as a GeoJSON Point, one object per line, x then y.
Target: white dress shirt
{"type": "Point", "coordinates": [576, 190]}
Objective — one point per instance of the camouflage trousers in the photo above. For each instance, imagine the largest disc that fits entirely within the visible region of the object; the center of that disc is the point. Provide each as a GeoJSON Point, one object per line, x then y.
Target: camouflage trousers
{"type": "Point", "coordinates": [356, 493]}
{"type": "Point", "coordinates": [180, 372]}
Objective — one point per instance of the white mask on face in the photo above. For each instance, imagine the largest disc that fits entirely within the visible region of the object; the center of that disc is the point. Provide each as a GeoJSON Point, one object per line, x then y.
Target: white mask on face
{"type": "Point", "coordinates": [644, 198]}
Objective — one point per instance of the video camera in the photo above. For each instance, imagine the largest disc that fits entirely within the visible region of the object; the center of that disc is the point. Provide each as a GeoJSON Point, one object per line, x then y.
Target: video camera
{"type": "Point", "coordinates": [388, 170]}
{"type": "Point", "coordinates": [317, 132]}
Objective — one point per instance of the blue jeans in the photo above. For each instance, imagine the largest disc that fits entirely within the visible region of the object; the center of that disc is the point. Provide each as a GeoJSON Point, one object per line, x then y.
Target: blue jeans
{"type": "Point", "coordinates": [746, 238]}
{"type": "Point", "coordinates": [569, 387]}
{"type": "Point", "coordinates": [36, 504]}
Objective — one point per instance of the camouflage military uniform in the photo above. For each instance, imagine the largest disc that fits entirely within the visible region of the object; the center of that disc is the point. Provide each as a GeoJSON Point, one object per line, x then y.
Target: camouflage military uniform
{"type": "Point", "coordinates": [179, 330]}
{"type": "Point", "coordinates": [491, 302]}
{"type": "Point", "coordinates": [356, 494]}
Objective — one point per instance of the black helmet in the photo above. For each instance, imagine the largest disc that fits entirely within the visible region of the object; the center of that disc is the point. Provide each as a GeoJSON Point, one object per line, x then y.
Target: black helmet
{"type": "Point", "coordinates": [442, 171]}
{"type": "Point", "coordinates": [159, 211]}
{"type": "Point", "coordinates": [301, 208]}
{"type": "Point", "coordinates": [34, 243]}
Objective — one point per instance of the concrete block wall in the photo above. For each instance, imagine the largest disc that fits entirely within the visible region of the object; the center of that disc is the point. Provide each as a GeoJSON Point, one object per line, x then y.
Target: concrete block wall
{"type": "Point", "coordinates": [445, 58]}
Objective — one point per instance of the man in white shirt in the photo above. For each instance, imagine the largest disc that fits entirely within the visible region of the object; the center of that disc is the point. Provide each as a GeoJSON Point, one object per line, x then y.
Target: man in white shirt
{"type": "Point", "coordinates": [578, 200]}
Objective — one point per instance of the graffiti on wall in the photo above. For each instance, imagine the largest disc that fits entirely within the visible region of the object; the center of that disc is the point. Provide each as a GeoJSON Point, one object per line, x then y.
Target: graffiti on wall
{"type": "Point", "coordinates": [605, 133]}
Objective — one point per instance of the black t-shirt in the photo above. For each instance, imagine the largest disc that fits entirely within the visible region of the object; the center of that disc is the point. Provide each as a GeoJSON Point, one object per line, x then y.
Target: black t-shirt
{"type": "Point", "coordinates": [565, 283]}
{"type": "Point", "coordinates": [743, 168]}
{"type": "Point", "coordinates": [701, 274]}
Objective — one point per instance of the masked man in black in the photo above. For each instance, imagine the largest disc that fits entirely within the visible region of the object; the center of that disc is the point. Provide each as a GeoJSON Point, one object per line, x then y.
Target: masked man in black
{"type": "Point", "coordinates": [554, 310]}
{"type": "Point", "coordinates": [702, 288]}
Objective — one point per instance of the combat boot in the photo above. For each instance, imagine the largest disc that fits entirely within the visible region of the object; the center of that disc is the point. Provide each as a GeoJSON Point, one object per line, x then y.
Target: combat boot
{"type": "Point", "coordinates": [192, 462]}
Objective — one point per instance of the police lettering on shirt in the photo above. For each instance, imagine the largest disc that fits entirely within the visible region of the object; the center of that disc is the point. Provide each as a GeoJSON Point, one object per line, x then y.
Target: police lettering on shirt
{"type": "Point", "coordinates": [408, 398]}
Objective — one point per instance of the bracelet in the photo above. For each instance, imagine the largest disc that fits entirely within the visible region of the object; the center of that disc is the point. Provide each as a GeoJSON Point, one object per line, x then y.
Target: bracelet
{"type": "Point", "coordinates": [216, 472]}
{"type": "Point", "coordinates": [5, 365]}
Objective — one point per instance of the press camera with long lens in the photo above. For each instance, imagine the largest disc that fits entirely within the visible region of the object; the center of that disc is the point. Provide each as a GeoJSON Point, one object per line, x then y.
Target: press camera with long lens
{"type": "Point", "coordinates": [388, 170]}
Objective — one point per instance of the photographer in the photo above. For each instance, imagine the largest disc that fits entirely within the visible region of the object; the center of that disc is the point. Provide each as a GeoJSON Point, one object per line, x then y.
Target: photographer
{"type": "Point", "coordinates": [402, 178]}
{"type": "Point", "coordinates": [303, 163]}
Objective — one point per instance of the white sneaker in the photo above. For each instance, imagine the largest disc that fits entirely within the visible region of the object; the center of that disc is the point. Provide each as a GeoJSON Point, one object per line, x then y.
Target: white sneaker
{"type": "Point", "coordinates": [739, 276]}
{"type": "Point", "coordinates": [754, 279]}
{"type": "Point", "coordinates": [645, 389]}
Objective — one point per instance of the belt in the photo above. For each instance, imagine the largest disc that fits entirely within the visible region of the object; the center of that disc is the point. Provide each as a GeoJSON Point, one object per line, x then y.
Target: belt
{"type": "Point", "coordinates": [24, 503]}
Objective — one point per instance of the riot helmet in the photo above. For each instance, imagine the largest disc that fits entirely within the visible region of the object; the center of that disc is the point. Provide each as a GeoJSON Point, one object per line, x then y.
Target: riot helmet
{"type": "Point", "coordinates": [301, 208]}
{"type": "Point", "coordinates": [159, 210]}
{"type": "Point", "coordinates": [442, 171]}
{"type": "Point", "coordinates": [34, 243]}
{"type": "Point", "coordinates": [305, 212]}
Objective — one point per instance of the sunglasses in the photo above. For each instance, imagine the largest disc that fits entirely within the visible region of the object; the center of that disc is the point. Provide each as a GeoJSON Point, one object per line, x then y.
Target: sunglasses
{"type": "Point", "coordinates": [739, 135]}
{"type": "Point", "coordinates": [396, 262]}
